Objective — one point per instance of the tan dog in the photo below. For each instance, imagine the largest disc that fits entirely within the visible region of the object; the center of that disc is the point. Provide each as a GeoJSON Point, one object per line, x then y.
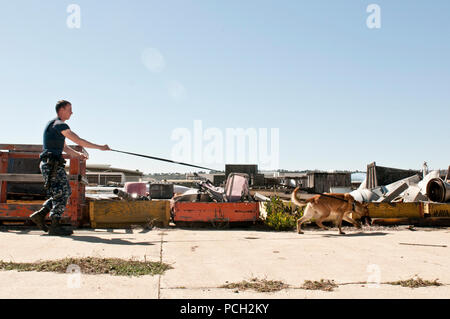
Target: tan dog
{"type": "Point", "coordinates": [321, 206]}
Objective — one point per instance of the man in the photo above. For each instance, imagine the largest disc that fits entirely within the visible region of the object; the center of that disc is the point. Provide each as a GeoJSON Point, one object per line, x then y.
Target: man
{"type": "Point", "coordinates": [52, 166]}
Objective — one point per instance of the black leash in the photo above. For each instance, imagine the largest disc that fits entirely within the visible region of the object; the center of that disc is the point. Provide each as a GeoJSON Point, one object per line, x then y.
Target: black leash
{"type": "Point", "coordinates": [162, 159]}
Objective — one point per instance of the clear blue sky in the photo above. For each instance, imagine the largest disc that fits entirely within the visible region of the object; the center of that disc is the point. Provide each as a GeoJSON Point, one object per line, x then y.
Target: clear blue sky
{"type": "Point", "coordinates": [342, 95]}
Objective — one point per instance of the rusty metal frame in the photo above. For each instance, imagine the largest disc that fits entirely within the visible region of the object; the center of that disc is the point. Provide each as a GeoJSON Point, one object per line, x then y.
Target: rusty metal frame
{"type": "Point", "coordinates": [76, 211]}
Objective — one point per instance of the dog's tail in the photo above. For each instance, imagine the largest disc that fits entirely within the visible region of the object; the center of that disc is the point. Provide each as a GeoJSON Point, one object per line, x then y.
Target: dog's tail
{"type": "Point", "coordinates": [297, 201]}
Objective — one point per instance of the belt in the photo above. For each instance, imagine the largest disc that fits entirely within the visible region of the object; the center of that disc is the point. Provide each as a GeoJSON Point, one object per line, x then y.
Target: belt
{"type": "Point", "coordinates": [59, 161]}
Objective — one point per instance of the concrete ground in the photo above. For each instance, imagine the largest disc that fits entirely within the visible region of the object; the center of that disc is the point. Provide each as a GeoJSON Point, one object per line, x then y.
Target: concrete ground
{"type": "Point", "coordinates": [205, 259]}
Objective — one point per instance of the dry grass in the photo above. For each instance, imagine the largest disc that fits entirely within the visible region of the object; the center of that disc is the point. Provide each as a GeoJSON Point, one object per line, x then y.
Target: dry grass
{"type": "Point", "coordinates": [415, 282]}
{"type": "Point", "coordinates": [324, 285]}
{"type": "Point", "coordinates": [92, 265]}
{"type": "Point", "coordinates": [260, 285]}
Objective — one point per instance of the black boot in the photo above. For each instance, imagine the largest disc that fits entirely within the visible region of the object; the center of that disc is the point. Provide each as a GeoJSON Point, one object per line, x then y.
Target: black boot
{"type": "Point", "coordinates": [57, 230]}
{"type": "Point", "coordinates": [38, 218]}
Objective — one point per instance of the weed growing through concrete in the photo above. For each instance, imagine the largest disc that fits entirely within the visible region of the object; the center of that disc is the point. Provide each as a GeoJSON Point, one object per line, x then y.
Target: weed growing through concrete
{"type": "Point", "coordinates": [415, 282]}
{"type": "Point", "coordinates": [259, 285]}
{"type": "Point", "coordinates": [281, 216]}
{"type": "Point", "coordinates": [324, 285]}
{"type": "Point", "coordinates": [92, 266]}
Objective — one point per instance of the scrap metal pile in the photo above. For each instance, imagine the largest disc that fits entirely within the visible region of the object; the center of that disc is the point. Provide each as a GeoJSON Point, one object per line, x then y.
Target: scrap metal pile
{"type": "Point", "coordinates": [236, 189]}
{"type": "Point", "coordinates": [417, 187]}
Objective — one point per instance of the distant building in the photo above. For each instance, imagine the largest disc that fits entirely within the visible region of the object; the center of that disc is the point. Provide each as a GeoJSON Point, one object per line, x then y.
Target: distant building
{"type": "Point", "coordinates": [357, 179]}
{"type": "Point", "coordinates": [321, 182]}
{"type": "Point", "coordinates": [293, 179]}
{"type": "Point", "coordinates": [104, 174]}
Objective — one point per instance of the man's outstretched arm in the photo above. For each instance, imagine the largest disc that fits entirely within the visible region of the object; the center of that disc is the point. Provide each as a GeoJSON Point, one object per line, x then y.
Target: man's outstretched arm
{"type": "Point", "coordinates": [72, 153]}
{"type": "Point", "coordinates": [83, 143]}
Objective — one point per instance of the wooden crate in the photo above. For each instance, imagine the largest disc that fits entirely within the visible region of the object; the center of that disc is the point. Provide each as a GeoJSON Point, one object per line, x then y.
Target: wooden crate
{"type": "Point", "coordinates": [437, 209]}
{"type": "Point", "coordinates": [396, 210]}
{"type": "Point", "coordinates": [123, 214]}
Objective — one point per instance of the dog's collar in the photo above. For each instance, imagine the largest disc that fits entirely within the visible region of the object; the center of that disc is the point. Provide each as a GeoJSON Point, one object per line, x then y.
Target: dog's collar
{"type": "Point", "coordinates": [354, 206]}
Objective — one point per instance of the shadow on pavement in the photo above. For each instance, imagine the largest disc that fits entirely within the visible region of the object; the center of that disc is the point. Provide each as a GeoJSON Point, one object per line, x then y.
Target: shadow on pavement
{"type": "Point", "coordinates": [112, 241]}
{"type": "Point", "coordinates": [360, 234]}
{"type": "Point", "coordinates": [19, 230]}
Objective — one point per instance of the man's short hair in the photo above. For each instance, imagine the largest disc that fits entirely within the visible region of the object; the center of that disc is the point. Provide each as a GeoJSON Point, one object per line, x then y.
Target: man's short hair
{"type": "Point", "coordinates": [61, 104]}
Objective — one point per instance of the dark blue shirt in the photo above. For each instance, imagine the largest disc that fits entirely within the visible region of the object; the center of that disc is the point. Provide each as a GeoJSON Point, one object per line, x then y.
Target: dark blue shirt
{"type": "Point", "coordinates": [53, 139]}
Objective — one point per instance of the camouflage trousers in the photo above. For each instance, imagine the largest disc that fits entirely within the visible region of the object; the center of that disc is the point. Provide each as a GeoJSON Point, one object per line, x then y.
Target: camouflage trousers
{"type": "Point", "coordinates": [58, 192]}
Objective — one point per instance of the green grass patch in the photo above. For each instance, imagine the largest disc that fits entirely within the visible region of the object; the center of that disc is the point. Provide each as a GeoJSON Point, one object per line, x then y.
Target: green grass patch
{"type": "Point", "coordinates": [260, 285]}
{"type": "Point", "coordinates": [92, 266]}
{"type": "Point", "coordinates": [282, 216]}
{"type": "Point", "coordinates": [324, 285]}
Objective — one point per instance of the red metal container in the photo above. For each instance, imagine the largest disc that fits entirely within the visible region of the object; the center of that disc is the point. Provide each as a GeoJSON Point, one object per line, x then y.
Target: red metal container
{"type": "Point", "coordinates": [216, 212]}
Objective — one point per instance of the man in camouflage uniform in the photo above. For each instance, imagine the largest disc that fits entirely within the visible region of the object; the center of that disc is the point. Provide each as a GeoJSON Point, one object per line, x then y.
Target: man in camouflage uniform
{"type": "Point", "coordinates": [52, 166]}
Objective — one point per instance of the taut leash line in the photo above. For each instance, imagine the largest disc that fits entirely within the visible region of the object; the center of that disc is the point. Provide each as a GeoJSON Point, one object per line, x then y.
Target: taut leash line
{"type": "Point", "coordinates": [162, 159]}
